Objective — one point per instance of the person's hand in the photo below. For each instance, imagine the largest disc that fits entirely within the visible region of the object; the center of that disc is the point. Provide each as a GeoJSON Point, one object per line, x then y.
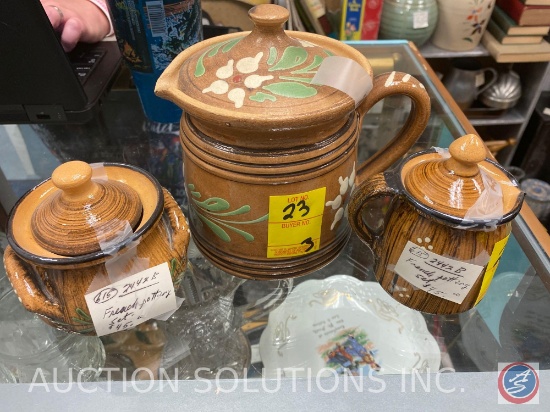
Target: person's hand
{"type": "Point", "coordinates": [77, 21]}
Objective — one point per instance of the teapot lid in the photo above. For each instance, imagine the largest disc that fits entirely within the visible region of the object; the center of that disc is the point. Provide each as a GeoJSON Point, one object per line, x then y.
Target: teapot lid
{"type": "Point", "coordinates": [261, 79]}
{"type": "Point", "coordinates": [83, 214]}
{"type": "Point", "coordinates": [463, 185]}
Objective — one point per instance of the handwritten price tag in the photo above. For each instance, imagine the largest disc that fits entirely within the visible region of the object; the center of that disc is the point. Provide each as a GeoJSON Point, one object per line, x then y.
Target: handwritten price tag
{"type": "Point", "coordinates": [294, 226]}
{"type": "Point", "coordinates": [443, 277]}
{"type": "Point", "coordinates": [132, 300]}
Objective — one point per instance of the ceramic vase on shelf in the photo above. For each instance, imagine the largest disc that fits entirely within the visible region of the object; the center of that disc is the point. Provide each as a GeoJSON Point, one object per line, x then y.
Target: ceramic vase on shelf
{"type": "Point", "coordinates": [413, 20]}
{"type": "Point", "coordinates": [461, 23]}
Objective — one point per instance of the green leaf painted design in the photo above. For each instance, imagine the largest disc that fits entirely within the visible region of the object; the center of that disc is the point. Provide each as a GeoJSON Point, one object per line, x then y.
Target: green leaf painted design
{"type": "Point", "coordinates": [262, 97]}
{"type": "Point", "coordinates": [193, 192]}
{"type": "Point", "coordinates": [247, 236]}
{"type": "Point", "coordinates": [176, 272]}
{"type": "Point", "coordinates": [225, 46]}
{"type": "Point", "coordinates": [83, 314]}
{"type": "Point", "coordinates": [214, 50]}
{"type": "Point", "coordinates": [213, 204]}
{"type": "Point", "coordinates": [296, 79]}
{"type": "Point", "coordinates": [211, 210]}
{"type": "Point", "coordinates": [272, 56]}
{"type": "Point", "coordinates": [222, 234]}
{"type": "Point", "coordinates": [292, 56]}
{"type": "Point", "coordinates": [77, 321]}
{"type": "Point", "coordinates": [82, 319]}
{"type": "Point", "coordinates": [231, 44]}
{"type": "Point", "coordinates": [291, 89]}
{"type": "Point", "coordinates": [317, 60]}
{"type": "Point", "coordinates": [239, 211]}
{"type": "Point", "coordinates": [173, 266]}
{"type": "Point", "coordinates": [199, 68]}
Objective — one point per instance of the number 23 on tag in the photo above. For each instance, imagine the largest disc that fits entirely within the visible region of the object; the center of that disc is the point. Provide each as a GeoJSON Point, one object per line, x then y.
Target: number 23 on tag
{"type": "Point", "coordinates": [295, 223]}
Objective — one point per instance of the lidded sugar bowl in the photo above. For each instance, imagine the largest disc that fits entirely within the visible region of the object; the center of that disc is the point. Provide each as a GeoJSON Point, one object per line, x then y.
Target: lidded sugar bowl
{"type": "Point", "coordinates": [90, 224]}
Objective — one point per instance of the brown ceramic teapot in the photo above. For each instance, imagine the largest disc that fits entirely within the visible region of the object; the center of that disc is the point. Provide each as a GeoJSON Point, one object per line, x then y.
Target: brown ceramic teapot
{"type": "Point", "coordinates": [445, 228]}
{"type": "Point", "coordinates": [64, 234]}
{"type": "Point", "coordinates": [270, 153]}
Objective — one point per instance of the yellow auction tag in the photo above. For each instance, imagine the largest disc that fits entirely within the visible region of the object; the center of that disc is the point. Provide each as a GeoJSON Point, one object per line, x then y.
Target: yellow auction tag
{"type": "Point", "coordinates": [294, 226]}
{"type": "Point", "coordinates": [494, 260]}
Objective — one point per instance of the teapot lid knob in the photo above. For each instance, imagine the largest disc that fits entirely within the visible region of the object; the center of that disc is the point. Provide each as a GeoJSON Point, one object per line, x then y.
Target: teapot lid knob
{"type": "Point", "coordinates": [449, 185]}
{"type": "Point", "coordinates": [267, 17]}
{"type": "Point", "coordinates": [84, 214]}
{"type": "Point", "coordinates": [466, 152]}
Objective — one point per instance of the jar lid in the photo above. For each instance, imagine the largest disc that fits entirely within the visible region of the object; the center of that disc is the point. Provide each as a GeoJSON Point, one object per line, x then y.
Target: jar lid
{"type": "Point", "coordinates": [84, 214]}
{"type": "Point", "coordinates": [462, 185]}
{"type": "Point", "coordinates": [260, 79]}
{"type": "Point", "coordinates": [21, 234]}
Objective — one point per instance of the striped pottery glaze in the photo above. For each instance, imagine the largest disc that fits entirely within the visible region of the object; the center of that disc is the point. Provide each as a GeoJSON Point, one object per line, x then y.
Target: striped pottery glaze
{"type": "Point", "coordinates": [66, 234]}
{"type": "Point", "coordinates": [445, 229]}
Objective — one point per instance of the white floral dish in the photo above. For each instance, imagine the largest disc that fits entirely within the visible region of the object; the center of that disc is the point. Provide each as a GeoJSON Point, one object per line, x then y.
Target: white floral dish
{"type": "Point", "coordinates": [342, 323]}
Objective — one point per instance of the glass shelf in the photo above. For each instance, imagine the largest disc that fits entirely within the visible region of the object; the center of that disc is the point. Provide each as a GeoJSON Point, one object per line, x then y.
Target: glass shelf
{"type": "Point", "coordinates": [222, 319]}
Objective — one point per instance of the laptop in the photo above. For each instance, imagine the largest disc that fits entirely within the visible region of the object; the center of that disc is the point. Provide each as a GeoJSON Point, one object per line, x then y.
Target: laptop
{"type": "Point", "coordinates": [39, 82]}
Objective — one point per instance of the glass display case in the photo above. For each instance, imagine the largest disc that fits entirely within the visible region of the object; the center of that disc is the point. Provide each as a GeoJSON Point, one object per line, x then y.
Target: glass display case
{"type": "Point", "coordinates": [244, 343]}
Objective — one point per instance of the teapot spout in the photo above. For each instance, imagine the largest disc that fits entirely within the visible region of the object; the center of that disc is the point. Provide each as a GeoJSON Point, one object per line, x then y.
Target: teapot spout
{"type": "Point", "coordinates": [167, 84]}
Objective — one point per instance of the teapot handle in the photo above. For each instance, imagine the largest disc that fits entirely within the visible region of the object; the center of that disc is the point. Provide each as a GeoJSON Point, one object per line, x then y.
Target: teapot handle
{"type": "Point", "coordinates": [29, 294]}
{"type": "Point", "coordinates": [388, 84]}
{"type": "Point", "coordinates": [488, 84]}
{"type": "Point", "coordinates": [371, 189]}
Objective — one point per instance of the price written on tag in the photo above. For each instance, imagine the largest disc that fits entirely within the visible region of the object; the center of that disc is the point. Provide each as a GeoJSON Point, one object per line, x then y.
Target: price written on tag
{"type": "Point", "coordinates": [443, 277]}
{"type": "Point", "coordinates": [295, 221]}
{"type": "Point", "coordinates": [133, 300]}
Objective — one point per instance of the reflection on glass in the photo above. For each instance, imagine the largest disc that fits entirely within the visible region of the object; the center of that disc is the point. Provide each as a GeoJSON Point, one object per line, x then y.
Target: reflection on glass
{"type": "Point", "coordinates": [36, 352]}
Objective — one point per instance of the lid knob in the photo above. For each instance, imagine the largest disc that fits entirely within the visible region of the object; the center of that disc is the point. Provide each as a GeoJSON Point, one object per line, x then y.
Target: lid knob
{"type": "Point", "coordinates": [75, 180]}
{"type": "Point", "coordinates": [83, 214]}
{"type": "Point", "coordinates": [452, 185]}
{"type": "Point", "coordinates": [466, 152]}
{"type": "Point", "coordinates": [268, 17]}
